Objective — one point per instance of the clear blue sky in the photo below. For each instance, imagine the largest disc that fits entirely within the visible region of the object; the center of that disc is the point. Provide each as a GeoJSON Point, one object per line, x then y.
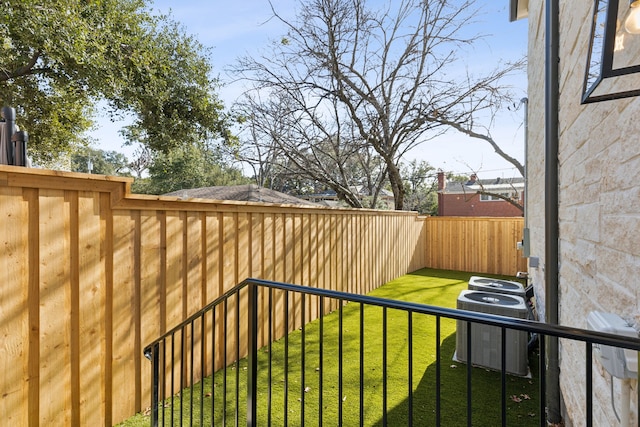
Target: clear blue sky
{"type": "Point", "coordinates": [235, 28]}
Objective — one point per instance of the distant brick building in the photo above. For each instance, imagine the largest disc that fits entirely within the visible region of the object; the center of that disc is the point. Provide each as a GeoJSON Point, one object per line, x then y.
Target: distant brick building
{"type": "Point", "coordinates": [463, 199]}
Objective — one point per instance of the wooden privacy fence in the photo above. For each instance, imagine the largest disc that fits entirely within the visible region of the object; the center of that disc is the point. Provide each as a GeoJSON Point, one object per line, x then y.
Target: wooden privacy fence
{"type": "Point", "coordinates": [90, 274]}
{"type": "Point", "coordinates": [477, 244]}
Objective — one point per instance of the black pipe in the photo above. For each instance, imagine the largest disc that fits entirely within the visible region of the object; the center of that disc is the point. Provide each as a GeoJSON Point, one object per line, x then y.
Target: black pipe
{"type": "Point", "coordinates": [19, 141]}
{"type": "Point", "coordinates": [9, 116]}
{"type": "Point", "coordinates": [552, 232]}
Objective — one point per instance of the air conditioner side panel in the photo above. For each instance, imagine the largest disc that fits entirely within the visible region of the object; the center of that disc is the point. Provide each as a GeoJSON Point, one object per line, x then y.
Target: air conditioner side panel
{"type": "Point", "coordinates": [486, 343]}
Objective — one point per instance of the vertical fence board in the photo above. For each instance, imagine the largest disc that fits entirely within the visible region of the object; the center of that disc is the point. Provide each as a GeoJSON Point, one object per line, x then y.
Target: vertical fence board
{"type": "Point", "coordinates": [55, 299]}
{"type": "Point", "coordinates": [151, 284]}
{"type": "Point", "coordinates": [268, 248]}
{"type": "Point", "coordinates": [243, 255]}
{"type": "Point", "coordinates": [193, 264]}
{"type": "Point", "coordinates": [92, 296]}
{"type": "Point", "coordinates": [174, 269]}
{"type": "Point", "coordinates": [14, 308]}
{"type": "Point", "coordinates": [229, 269]}
{"type": "Point", "coordinates": [124, 307]}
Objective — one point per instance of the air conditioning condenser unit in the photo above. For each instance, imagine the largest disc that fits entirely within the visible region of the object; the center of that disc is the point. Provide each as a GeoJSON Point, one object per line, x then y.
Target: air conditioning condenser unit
{"type": "Point", "coordinates": [486, 344]}
{"type": "Point", "coordinates": [489, 284]}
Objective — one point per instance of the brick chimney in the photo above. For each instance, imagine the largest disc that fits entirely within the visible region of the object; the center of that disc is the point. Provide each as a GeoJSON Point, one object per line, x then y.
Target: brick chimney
{"type": "Point", "coordinates": [442, 181]}
{"type": "Point", "coordinates": [442, 184]}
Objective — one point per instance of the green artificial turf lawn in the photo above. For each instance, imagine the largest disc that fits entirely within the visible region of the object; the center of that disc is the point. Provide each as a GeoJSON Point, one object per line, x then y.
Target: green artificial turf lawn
{"type": "Point", "coordinates": [427, 286]}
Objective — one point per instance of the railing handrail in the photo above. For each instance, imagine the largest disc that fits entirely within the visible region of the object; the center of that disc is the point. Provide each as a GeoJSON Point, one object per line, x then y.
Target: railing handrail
{"type": "Point", "coordinates": [560, 331]}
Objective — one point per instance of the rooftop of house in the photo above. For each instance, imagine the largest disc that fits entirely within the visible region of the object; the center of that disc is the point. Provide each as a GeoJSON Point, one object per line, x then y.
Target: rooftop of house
{"type": "Point", "coordinates": [494, 185]}
{"type": "Point", "coordinates": [247, 193]}
{"type": "Point", "coordinates": [360, 190]}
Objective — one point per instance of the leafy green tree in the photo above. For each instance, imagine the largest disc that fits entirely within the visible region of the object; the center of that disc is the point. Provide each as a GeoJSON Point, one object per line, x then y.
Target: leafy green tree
{"type": "Point", "coordinates": [60, 57]}
{"type": "Point", "coordinates": [102, 162]}
{"type": "Point", "coordinates": [187, 166]}
{"type": "Point", "coordinates": [420, 185]}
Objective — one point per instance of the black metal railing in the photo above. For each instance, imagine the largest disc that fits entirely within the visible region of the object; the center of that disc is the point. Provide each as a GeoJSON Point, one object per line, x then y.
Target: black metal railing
{"type": "Point", "coordinates": [199, 378]}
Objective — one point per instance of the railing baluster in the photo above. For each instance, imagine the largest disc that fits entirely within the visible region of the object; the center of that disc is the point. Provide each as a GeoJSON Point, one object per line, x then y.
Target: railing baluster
{"type": "Point", "coordinates": [361, 364]}
{"type": "Point", "coordinates": [202, 366]}
{"type": "Point", "coordinates": [410, 363]}
{"type": "Point", "coordinates": [191, 374]}
{"type": "Point", "coordinates": [302, 361]}
{"type": "Point", "coordinates": [286, 357]}
{"type": "Point", "coordinates": [225, 334]}
{"type": "Point", "coordinates": [213, 363]}
{"type": "Point", "coordinates": [182, 369]}
{"type": "Point", "coordinates": [469, 366]}
{"type": "Point", "coordinates": [237, 361]}
{"type": "Point", "coordinates": [321, 364]}
{"type": "Point", "coordinates": [163, 392]}
{"type": "Point", "coordinates": [384, 366]}
{"type": "Point", "coordinates": [252, 362]}
{"type": "Point", "coordinates": [173, 390]}
{"type": "Point", "coordinates": [270, 369]}
{"type": "Point", "coordinates": [542, 342]}
{"type": "Point", "coordinates": [438, 372]}
{"type": "Point", "coordinates": [503, 374]}
{"type": "Point", "coordinates": [589, 385]}
{"type": "Point", "coordinates": [340, 329]}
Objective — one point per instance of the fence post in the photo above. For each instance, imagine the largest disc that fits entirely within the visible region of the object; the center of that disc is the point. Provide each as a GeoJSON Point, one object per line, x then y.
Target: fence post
{"type": "Point", "coordinates": [252, 358]}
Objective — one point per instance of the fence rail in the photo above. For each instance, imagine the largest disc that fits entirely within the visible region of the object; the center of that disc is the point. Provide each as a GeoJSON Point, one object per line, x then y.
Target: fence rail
{"type": "Point", "coordinates": [125, 268]}
{"type": "Point", "coordinates": [175, 366]}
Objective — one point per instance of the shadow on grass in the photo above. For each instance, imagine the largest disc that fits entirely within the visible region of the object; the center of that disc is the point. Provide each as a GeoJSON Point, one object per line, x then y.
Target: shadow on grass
{"type": "Point", "coordinates": [486, 395]}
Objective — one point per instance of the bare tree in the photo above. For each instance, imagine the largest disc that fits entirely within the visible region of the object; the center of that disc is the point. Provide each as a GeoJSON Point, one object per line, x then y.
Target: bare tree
{"type": "Point", "coordinates": [142, 158]}
{"type": "Point", "coordinates": [288, 139]}
{"type": "Point", "coordinates": [393, 71]}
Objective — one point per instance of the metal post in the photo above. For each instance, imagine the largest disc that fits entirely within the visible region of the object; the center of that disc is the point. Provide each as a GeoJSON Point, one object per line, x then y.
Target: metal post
{"type": "Point", "coordinates": [552, 232]}
{"type": "Point", "coordinates": [20, 140]}
{"type": "Point", "coordinates": [152, 353]}
{"type": "Point", "coordinates": [252, 357]}
{"type": "Point", "coordinates": [526, 241]}
{"type": "Point", "coordinates": [9, 116]}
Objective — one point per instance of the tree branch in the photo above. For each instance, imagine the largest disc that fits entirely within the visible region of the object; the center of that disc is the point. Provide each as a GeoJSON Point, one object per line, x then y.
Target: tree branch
{"type": "Point", "coordinates": [24, 70]}
{"type": "Point", "coordinates": [459, 127]}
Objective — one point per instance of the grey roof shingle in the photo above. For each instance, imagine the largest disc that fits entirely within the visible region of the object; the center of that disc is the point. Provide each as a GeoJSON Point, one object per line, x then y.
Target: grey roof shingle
{"type": "Point", "coordinates": [247, 193]}
{"type": "Point", "coordinates": [491, 185]}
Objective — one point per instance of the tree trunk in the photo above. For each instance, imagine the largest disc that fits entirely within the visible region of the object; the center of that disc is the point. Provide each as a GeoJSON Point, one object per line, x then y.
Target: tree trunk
{"type": "Point", "coordinates": [396, 185]}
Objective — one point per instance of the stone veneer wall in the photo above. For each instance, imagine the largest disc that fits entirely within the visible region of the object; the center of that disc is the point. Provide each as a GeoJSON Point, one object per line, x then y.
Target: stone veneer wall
{"type": "Point", "coordinates": [599, 203]}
